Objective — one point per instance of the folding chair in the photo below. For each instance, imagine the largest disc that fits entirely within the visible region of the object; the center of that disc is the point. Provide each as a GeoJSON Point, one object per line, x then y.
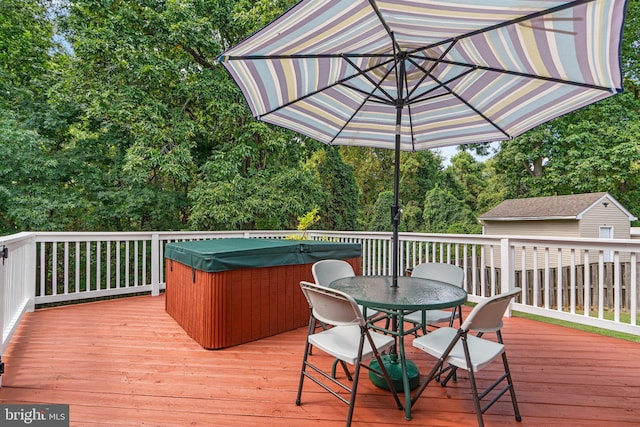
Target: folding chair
{"type": "Point", "coordinates": [328, 270]}
{"type": "Point", "coordinates": [442, 272]}
{"type": "Point", "coordinates": [348, 340]}
{"type": "Point", "coordinates": [460, 350]}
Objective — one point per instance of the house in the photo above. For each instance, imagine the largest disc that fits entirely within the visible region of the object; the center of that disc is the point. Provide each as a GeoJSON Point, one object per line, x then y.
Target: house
{"type": "Point", "coordinates": [593, 215]}
{"type": "Point", "coordinates": [590, 215]}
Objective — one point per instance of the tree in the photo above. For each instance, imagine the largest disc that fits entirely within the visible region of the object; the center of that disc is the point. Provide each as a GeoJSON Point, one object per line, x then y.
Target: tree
{"type": "Point", "coordinates": [373, 171]}
{"type": "Point", "coordinates": [444, 213]}
{"type": "Point", "coordinates": [36, 186]}
{"type": "Point", "coordinates": [468, 173]}
{"type": "Point", "coordinates": [147, 77]}
{"type": "Point", "coordinates": [339, 207]}
{"type": "Point", "coordinates": [25, 42]}
{"type": "Point", "coordinates": [381, 218]}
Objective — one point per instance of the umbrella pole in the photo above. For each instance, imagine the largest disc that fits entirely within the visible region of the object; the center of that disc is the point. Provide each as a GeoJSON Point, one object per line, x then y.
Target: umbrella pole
{"type": "Point", "coordinates": [395, 209]}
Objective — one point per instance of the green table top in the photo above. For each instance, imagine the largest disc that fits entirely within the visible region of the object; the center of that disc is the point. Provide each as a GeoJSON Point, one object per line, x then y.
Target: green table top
{"type": "Point", "coordinates": [229, 254]}
{"type": "Point", "coordinates": [412, 293]}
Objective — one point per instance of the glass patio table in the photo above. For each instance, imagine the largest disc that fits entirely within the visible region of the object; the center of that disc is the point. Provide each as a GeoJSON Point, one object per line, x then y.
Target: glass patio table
{"type": "Point", "coordinates": [411, 294]}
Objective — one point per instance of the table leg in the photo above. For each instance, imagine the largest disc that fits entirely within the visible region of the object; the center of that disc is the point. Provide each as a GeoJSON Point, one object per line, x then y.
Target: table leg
{"type": "Point", "coordinates": [405, 378]}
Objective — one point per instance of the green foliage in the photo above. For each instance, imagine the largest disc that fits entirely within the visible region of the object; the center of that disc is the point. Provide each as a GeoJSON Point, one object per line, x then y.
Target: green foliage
{"type": "Point", "coordinates": [381, 218]}
{"type": "Point", "coordinates": [339, 206]}
{"type": "Point", "coordinates": [271, 199]}
{"type": "Point", "coordinates": [36, 187]}
{"type": "Point", "coordinates": [444, 213]}
{"type": "Point", "coordinates": [137, 127]}
{"type": "Point", "coordinates": [305, 222]}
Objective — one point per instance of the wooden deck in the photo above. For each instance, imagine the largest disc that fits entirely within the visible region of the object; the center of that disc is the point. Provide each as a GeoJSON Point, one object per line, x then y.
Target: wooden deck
{"type": "Point", "coordinates": [127, 363]}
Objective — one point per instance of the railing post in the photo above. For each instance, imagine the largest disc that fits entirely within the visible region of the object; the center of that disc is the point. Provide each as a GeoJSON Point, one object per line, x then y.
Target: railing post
{"type": "Point", "coordinates": [17, 286]}
{"type": "Point", "coordinates": [155, 265]}
{"type": "Point", "coordinates": [29, 273]}
{"type": "Point", "coordinates": [507, 269]}
{"type": "Point", "coordinates": [4, 268]}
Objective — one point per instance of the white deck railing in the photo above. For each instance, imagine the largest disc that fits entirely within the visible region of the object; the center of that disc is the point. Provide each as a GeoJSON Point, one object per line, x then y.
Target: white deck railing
{"type": "Point", "coordinates": [560, 277]}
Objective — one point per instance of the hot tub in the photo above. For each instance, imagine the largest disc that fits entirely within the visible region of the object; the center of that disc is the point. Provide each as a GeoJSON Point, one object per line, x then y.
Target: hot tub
{"type": "Point", "coordinates": [227, 292]}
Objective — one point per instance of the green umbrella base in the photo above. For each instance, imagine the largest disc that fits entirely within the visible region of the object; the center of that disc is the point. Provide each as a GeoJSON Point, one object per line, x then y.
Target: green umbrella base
{"type": "Point", "coordinates": [394, 369]}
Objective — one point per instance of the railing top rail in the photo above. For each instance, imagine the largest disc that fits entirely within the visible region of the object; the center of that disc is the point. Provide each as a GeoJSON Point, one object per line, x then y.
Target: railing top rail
{"type": "Point", "coordinates": [142, 235]}
{"type": "Point", "coordinates": [16, 238]}
{"type": "Point", "coordinates": [514, 240]}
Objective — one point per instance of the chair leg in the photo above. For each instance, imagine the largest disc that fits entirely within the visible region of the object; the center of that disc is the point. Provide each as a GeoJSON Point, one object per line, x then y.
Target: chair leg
{"type": "Point", "coordinates": [345, 368]}
{"type": "Point", "coordinates": [507, 373]}
{"type": "Point", "coordinates": [307, 352]}
{"type": "Point", "coordinates": [354, 387]}
{"type": "Point", "coordinates": [512, 391]}
{"type": "Point", "coordinates": [476, 398]}
{"type": "Point", "coordinates": [307, 348]}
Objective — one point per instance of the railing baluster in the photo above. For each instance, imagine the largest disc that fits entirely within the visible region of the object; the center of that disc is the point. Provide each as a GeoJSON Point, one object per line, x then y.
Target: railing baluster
{"type": "Point", "coordinates": [88, 266]}
{"type": "Point", "coordinates": [536, 280]}
{"type": "Point", "coordinates": [587, 285]}
{"type": "Point", "coordinates": [572, 289]}
{"type": "Point", "coordinates": [617, 289]}
{"type": "Point", "coordinates": [559, 279]}
{"type": "Point", "coordinates": [523, 274]}
{"type": "Point", "coordinates": [54, 268]}
{"type": "Point", "coordinates": [77, 269]}
{"type": "Point", "coordinates": [136, 254]}
{"type": "Point", "coordinates": [600, 285]}
{"type": "Point", "coordinates": [634, 289]}
{"type": "Point", "coordinates": [66, 267]}
{"type": "Point", "coordinates": [98, 258]}
{"type": "Point", "coordinates": [547, 279]}
{"type": "Point", "coordinates": [108, 262]}
{"type": "Point", "coordinates": [127, 259]}
{"type": "Point", "coordinates": [118, 264]}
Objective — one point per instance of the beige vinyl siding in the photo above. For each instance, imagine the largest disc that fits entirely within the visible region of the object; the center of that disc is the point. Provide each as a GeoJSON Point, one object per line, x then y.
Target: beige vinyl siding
{"type": "Point", "coordinates": [599, 216]}
{"type": "Point", "coordinates": [558, 228]}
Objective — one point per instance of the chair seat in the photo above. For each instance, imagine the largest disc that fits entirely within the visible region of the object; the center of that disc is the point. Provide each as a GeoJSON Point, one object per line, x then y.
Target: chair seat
{"type": "Point", "coordinates": [482, 351]}
{"type": "Point", "coordinates": [431, 317]}
{"type": "Point", "coordinates": [341, 343]}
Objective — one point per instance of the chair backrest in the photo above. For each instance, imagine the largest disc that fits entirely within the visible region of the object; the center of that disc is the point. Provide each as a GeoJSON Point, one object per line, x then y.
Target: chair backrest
{"type": "Point", "coordinates": [487, 315]}
{"type": "Point", "coordinates": [440, 271]}
{"type": "Point", "coordinates": [331, 306]}
{"type": "Point", "coordinates": [328, 270]}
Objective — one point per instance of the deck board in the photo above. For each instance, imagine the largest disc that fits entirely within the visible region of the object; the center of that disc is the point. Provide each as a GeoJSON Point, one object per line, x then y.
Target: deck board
{"type": "Point", "coordinates": [126, 362]}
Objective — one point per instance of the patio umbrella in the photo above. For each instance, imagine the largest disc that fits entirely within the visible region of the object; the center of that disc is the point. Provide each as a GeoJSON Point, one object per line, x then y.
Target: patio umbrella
{"type": "Point", "coordinates": [419, 74]}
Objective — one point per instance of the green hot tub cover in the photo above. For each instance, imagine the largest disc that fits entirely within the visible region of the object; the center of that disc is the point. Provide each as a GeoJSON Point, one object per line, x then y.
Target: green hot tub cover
{"type": "Point", "coordinates": [229, 254]}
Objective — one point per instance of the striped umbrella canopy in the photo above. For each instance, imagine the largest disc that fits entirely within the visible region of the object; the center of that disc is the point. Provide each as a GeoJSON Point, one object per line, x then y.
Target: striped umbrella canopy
{"type": "Point", "coordinates": [419, 74]}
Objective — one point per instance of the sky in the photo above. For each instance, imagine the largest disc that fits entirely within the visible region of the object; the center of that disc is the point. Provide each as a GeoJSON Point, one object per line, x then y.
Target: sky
{"type": "Point", "coordinates": [448, 152]}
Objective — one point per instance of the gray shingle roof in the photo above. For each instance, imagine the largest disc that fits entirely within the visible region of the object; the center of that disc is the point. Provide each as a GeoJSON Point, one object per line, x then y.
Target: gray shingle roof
{"type": "Point", "coordinates": [568, 207]}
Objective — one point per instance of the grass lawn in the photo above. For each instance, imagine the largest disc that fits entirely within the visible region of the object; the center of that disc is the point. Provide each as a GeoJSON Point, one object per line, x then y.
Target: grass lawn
{"type": "Point", "coordinates": [595, 330]}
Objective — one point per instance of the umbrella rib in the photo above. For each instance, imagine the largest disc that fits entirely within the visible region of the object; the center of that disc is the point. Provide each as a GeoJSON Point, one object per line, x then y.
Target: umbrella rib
{"type": "Point", "coordinates": [374, 6]}
{"type": "Point", "coordinates": [531, 76]}
{"type": "Point", "coordinates": [368, 96]}
{"type": "Point", "coordinates": [365, 74]}
{"type": "Point", "coordinates": [531, 16]}
{"type": "Point", "coordinates": [427, 73]}
{"type": "Point", "coordinates": [475, 110]}
{"type": "Point", "coordinates": [423, 96]}
{"type": "Point", "coordinates": [225, 58]}
{"type": "Point", "coordinates": [558, 8]}
{"type": "Point", "coordinates": [336, 83]}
